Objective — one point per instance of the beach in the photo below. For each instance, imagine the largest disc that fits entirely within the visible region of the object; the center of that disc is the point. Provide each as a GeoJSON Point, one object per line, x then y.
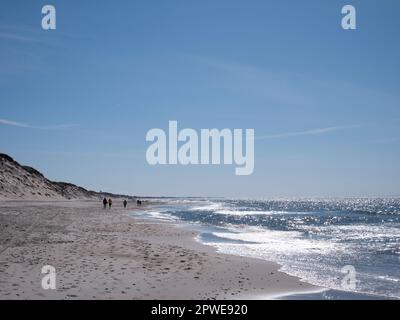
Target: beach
{"type": "Point", "coordinates": [111, 254]}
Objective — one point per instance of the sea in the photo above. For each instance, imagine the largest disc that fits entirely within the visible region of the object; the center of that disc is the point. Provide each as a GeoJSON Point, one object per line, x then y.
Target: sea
{"type": "Point", "coordinates": [350, 246]}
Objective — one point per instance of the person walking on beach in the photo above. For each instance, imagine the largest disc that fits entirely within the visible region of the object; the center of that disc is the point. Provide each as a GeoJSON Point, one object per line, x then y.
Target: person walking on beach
{"type": "Point", "coordinates": [109, 203]}
{"type": "Point", "coordinates": [125, 203]}
{"type": "Point", "coordinates": [104, 203]}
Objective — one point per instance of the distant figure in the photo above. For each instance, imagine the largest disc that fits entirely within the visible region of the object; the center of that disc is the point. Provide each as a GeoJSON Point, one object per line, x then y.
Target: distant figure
{"type": "Point", "coordinates": [125, 203]}
{"type": "Point", "coordinates": [104, 203]}
{"type": "Point", "coordinates": [139, 202]}
{"type": "Point", "coordinates": [109, 203]}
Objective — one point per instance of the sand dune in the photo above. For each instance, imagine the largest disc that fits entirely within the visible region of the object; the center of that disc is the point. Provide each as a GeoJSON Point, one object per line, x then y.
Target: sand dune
{"type": "Point", "coordinates": [26, 183]}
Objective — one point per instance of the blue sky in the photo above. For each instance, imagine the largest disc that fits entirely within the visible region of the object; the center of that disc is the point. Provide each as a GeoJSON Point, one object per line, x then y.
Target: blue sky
{"type": "Point", "coordinates": [77, 102]}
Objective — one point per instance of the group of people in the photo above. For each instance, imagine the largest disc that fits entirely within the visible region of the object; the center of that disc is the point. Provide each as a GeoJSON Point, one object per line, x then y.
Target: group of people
{"type": "Point", "coordinates": [125, 203]}
{"type": "Point", "coordinates": [105, 202]}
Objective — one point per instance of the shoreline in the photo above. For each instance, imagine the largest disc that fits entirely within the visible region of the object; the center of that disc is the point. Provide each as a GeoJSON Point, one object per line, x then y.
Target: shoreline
{"type": "Point", "coordinates": [108, 254]}
{"type": "Point", "coordinates": [313, 292]}
{"type": "Point", "coordinates": [303, 287]}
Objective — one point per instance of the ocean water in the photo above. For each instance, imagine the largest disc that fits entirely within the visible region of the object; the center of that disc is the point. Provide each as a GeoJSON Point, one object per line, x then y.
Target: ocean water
{"type": "Point", "coordinates": [318, 240]}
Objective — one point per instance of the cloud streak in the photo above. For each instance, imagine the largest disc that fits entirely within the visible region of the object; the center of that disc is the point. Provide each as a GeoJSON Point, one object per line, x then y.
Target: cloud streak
{"type": "Point", "coordinates": [310, 132]}
{"type": "Point", "coordinates": [17, 37]}
{"type": "Point", "coordinates": [12, 123]}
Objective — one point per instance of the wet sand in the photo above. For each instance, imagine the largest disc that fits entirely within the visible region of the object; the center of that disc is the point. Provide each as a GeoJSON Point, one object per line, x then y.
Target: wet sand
{"type": "Point", "coordinates": [107, 254]}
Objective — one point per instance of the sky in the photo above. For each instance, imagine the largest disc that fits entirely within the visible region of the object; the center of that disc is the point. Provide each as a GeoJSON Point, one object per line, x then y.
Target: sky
{"type": "Point", "coordinates": [76, 102]}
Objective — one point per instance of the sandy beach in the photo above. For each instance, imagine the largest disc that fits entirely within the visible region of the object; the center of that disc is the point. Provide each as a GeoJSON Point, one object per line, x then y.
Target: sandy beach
{"type": "Point", "coordinates": [108, 254]}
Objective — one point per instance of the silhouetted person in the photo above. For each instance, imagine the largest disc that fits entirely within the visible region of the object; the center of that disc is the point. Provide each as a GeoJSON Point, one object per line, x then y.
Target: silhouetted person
{"type": "Point", "coordinates": [104, 203]}
{"type": "Point", "coordinates": [109, 203]}
{"type": "Point", "coordinates": [125, 203]}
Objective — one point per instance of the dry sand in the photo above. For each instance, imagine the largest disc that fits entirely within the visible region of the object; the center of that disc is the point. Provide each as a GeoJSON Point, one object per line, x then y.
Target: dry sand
{"type": "Point", "coordinates": [106, 254]}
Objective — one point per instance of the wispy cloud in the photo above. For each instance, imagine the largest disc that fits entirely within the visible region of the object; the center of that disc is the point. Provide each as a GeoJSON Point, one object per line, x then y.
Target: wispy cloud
{"type": "Point", "coordinates": [22, 33]}
{"type": "Point", "coordinates": [13, 123]}
{"type": "Point", "coordinates": [18, 37]}
{"type": "Point", "coordinates": [35, 34]}
{"type": "Point", "coordinates": [307, 132]}
{"type": "Point", "coordinates": [28, 126]}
